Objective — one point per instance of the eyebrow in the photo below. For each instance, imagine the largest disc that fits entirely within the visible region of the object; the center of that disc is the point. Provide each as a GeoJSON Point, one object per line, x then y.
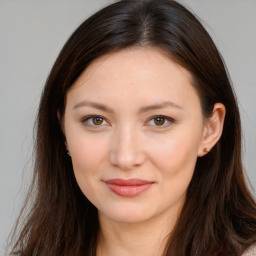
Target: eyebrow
{"type": "Point", "coordinates": [141, 110]}
{"type": "Point", "coordinates": [160, 106]}
{"type": "Point", "coordinates": [93, 105]}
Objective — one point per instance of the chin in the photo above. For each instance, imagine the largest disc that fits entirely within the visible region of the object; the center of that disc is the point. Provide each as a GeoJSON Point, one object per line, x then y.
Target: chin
{"type": "Point", "coordinates": [124, 214]}
{"type": "Point", "coordinates": [125, 218]}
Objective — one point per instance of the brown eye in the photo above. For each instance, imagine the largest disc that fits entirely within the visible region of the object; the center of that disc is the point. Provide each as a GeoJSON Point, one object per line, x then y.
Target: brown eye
{"type": "Point", "coordinates": [94, 121]}
{"type": "Point", "coordinates": [97, 120]}
{"type": "Point", "coordinates": [159, 121]}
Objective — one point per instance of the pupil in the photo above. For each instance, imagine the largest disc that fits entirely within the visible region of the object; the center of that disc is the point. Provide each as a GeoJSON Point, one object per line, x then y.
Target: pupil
{"type": "Point", "coordinates": [159, 121]}
{"type": "Point", "coordinates": [97, 120]}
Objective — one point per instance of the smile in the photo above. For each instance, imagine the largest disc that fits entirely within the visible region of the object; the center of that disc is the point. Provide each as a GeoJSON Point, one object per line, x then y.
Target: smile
{"type": "Point", "coordinates": [128, 188]}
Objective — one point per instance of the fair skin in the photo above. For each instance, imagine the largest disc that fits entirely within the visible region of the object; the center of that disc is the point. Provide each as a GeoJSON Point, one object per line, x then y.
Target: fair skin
{"type": "Point", "coordinates": [134, 115]}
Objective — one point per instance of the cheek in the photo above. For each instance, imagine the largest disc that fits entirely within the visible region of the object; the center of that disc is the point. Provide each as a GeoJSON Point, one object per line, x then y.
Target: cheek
{"type": "Point", "coordinates": [176, 157]}
{"type": "Point", "coordinates": [87, 156]}
{"type": "Point", "coordinates": [175, 152]}
{"type": "Point", "coordinates": [176, 163]}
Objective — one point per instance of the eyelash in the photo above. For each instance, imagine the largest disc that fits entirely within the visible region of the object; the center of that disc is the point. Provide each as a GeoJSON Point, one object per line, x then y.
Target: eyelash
{"type": "Point", "coordinates": [91, 117]}
{"type": "Point", "coordinates": [167, 120]}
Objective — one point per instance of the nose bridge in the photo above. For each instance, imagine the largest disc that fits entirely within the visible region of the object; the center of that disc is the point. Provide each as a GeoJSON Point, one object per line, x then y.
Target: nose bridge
{"type": "Point", "coordinates": [126, 151]}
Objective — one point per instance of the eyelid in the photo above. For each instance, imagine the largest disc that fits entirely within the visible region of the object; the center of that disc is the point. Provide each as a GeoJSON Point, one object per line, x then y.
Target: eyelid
{"type": "Point", "coordinates": [167, 118]}
{"type": "Point", "coordinates": [85, 119]}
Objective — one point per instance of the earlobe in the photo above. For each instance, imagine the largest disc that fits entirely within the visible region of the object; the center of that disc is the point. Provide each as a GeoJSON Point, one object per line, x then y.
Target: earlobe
{"type": "Point", "coordinates": [212, 129]}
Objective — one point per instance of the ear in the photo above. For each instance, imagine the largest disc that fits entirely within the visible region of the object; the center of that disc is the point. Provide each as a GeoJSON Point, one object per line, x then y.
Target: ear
{"type": "Point", "coordinates": [212, 129]}
{"type": "Point", "coordinates": [60, 119]}
{"type": "Point", "coordinates": [62, 126]}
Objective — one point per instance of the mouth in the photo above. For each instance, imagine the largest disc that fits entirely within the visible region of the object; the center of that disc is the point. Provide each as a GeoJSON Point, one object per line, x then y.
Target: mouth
{"type": "Point", "coordinates": [128, 188]}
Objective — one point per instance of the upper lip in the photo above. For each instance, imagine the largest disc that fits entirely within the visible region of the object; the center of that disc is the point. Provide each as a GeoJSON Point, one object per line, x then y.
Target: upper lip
{"type": "Point", "coordinates": [129, 182]}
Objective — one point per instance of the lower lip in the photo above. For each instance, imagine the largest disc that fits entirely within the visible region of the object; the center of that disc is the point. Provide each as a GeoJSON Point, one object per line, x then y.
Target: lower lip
{"type": "Point", "coordinates": [128, 191]}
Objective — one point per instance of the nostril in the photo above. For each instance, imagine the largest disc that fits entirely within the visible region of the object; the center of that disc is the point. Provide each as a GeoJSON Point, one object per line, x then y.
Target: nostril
{"type": "Point", "coordinates": [125, 148]}
{"type": "Point", "coordinates": [127, 161]}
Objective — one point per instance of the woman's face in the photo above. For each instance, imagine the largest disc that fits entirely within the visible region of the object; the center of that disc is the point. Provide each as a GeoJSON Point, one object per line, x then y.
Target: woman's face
{"type": "Point", "coordinates": [134, 128]}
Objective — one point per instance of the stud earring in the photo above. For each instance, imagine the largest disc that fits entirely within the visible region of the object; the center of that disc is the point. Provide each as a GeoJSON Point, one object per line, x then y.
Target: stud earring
{"type": "Point", "coordinates": [206, 150]}
{"type": "Point", "coordinates": [68, 152]}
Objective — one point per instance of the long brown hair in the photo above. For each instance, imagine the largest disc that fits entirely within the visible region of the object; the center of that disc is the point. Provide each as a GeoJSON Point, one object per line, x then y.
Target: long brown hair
{"type": "Point", "coordinates": [219, 215]}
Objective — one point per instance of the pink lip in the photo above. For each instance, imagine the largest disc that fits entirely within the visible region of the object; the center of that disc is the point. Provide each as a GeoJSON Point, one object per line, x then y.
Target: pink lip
{"type": "Point", "coordinates": [128, 188]}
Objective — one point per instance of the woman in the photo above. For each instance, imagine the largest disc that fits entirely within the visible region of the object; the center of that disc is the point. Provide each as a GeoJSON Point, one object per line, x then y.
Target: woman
{"type": "Point", "coordinates": [138, 147]}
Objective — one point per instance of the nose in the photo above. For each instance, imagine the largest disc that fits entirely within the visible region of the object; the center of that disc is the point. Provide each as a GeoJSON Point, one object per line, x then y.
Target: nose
{"type": "Point", "coordinates": [126, 150]}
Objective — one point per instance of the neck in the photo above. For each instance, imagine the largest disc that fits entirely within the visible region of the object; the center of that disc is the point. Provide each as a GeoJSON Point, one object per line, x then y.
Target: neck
{"type": "Point", "coordinates": [148, 238]}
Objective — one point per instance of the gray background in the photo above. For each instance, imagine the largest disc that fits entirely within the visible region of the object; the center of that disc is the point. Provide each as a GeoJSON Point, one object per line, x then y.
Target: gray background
{"type": "Point", "coordinates": [31, 35]}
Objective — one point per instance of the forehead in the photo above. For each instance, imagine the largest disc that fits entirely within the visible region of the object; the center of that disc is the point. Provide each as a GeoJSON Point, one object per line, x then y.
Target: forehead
{"type": "Point", "coordinates": [137, 74]}
{"type": "Point", "coordinates": [133, 61]}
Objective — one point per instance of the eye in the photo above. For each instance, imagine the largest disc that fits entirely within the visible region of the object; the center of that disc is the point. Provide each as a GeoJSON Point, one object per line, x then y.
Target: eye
{"type": "Point", "coordinates": [94, 120]}
{"type": "Point", "coordinates": [160, 121]}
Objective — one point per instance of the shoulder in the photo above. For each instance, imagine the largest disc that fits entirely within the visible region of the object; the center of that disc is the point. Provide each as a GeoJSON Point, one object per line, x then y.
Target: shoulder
{"type": "Point", "coordinates": [251, 251]}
